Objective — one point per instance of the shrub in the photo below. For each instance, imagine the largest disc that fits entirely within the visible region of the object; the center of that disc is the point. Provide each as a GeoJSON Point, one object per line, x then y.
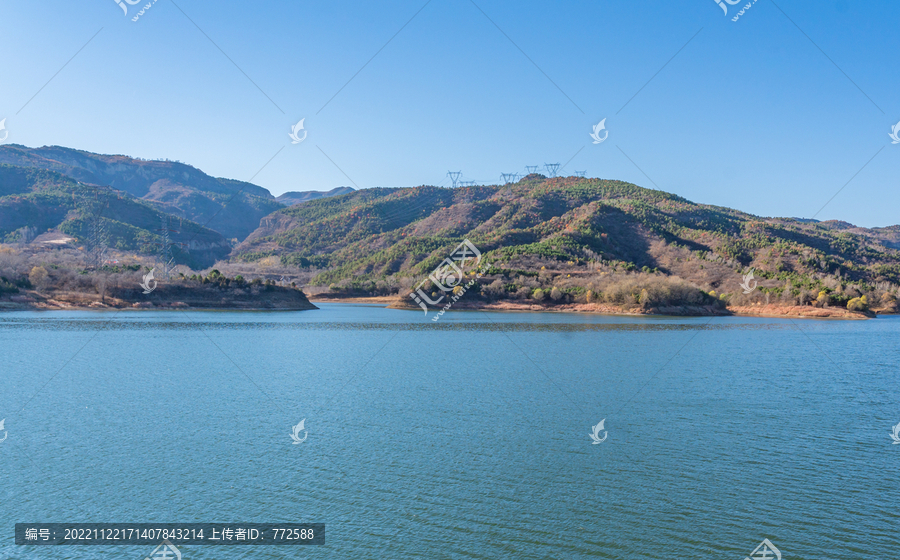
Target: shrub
{"type": "Point", "coordinates": [38, 277]}
{"type": "Point", "coordinates": [858, 304]}
{"type": "Point", "coordinates": [555, 294]}
{"type": "Point", "coordinates": [7, 287]}
{"type": "Point", "coordinates": [644, 300]}
{"type": "Point", "coordinates": [661, 292]}
{"type": "Point", "coordinates": [495, 289]}
{"type": "Point", "coordinates": [538, 295]}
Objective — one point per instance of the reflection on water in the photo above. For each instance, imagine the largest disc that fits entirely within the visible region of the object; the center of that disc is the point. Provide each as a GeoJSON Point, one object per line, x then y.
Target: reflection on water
{"type": "Point", "coordinates": [190, 323]}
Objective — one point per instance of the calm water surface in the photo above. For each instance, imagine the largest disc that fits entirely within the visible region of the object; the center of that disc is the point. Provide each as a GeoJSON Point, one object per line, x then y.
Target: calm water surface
{"type": "Point", "coordinates": [466, 438]}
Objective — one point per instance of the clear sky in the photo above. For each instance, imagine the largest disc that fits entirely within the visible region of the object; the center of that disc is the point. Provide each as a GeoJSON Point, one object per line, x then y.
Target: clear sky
{"type": "Point", "coordinates": [772, 114]}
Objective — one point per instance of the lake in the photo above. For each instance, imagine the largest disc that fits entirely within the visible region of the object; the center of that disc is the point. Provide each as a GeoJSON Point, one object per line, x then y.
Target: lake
{"type": "Point", "coordinates": [469, 437]}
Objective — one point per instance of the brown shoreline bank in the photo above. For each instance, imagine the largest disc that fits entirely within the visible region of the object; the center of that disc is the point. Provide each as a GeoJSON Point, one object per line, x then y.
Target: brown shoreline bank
{"type": "Point", "coordinates": [293, 300]}
{"type": "Point", "coordinates": [162, 299]}
{"type": "Point", "coordinates": [771, 310]}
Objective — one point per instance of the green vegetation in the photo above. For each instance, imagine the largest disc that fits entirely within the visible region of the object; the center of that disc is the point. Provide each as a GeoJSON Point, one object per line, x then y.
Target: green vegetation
{"type": "Point", "coordinates": [571, 239]}
{"type": "Point", "coordinates": [555, 241]}
{"type": "Point", "coordinates": [34, 201]}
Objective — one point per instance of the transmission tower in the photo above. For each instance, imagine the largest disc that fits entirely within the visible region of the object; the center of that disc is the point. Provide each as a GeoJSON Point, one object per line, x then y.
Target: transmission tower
{"type": "Point", "coordinates": [166, 258]}
{"type": "Point", "coordinates": [580, 173]}
{"type": "Point", "coordinates": [454, 176]}
{"type": "Point", "coordinates": [468, 183]}
{"type": "Point", "coordinates": [98, 242]}
{"type": "Point", "coordinates": [91, 204]}
{"type": "Point", "coordinates": [532, 168]}
{"type": "Point", "coordinates": [509, 178]}
{"type": "Point", "coordinates": [552, 168]}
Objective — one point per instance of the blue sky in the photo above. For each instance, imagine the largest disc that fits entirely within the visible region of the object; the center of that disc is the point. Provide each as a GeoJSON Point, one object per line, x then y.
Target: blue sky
{"type": "Point", "coordinates": [772, 114]}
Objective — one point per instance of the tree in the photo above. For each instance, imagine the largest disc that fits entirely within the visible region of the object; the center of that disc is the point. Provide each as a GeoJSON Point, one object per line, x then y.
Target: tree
{"type": "Point", "coordinates": [495, 289]}
{"type": "Point", "coordinates": [538, 295]}
{"type": "Point", "coordinates": [556, 294]}
{"type": "Point", "coordinates": [101, 282]}
{"type": "Point", "coordinates": [644, 299]}
{"type": "Point", "coordinates": [858, 304]}
{"type": "Point", "coordinates": [38, 277]}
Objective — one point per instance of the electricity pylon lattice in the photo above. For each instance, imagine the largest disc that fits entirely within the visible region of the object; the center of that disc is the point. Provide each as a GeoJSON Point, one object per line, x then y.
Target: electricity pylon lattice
{"type": "Point", "coordinates": [166, 258]}
{"type": "Point", "coordinates": [509, 178]}
{"type": "Point", "coordinates": [91, 205]}
{"type": "Point", "coordinates": [468, 183]}
{"type": "Point", "coordinates": [454, 176]}
{"type": "Point", "coordinates": [580, 173]}
{"type": "Point", "coordinates": [532, 168]}
{"type": "Point", "coordinates": [552, 168]}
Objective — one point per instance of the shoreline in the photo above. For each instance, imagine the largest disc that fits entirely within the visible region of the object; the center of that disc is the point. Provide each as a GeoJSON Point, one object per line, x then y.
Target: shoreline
{"type": "Point", "coordinates": [84, 302]}
{"type": "Point", "coordinates": [771, 310]}
{"type": "Point", "coordinates": [74, 301]}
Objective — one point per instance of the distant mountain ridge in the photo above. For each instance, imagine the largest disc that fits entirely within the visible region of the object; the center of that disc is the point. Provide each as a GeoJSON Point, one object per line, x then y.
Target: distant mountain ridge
{"type": "Point", "coordinates": [35, 201]}
{"type": "Point", "coordinates": [233, 208]}
{"type": "Point", "coordinates": [298, 197]}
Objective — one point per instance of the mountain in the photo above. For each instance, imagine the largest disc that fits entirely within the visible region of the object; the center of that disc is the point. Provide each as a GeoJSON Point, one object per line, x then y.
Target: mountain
{"type": "Point", "coordinates": [34, 201]}
{"type": "Point", "coordinates": [567, 234]}
{"type": "Point", "coordinates": [297, 197]}
{"type": "Point", "coordinates": [574, 227]}
{"type": "Point", "coordinates": [232, 208]}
